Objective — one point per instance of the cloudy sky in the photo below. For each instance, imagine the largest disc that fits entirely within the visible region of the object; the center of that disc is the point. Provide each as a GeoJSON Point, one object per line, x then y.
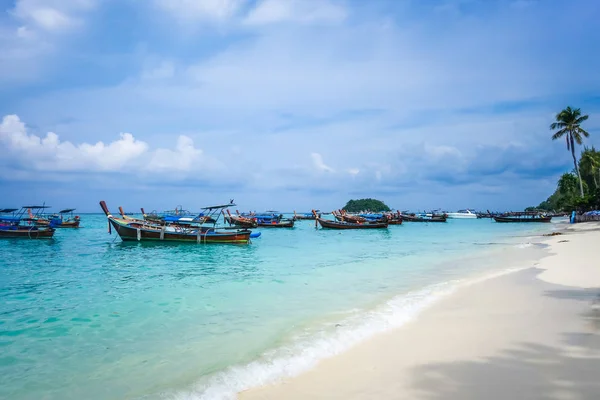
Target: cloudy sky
{"type": "Point", "coordinates": [291, 104]}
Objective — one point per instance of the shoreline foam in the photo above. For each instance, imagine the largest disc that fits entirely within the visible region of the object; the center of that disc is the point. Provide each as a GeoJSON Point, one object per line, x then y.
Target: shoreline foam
{"type": "Point", "coordinates": [495, 314]}
{"type": "Point", "coordinates": [308, 350]}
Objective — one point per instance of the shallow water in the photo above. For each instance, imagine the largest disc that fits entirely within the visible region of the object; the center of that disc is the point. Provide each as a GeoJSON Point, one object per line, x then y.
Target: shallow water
{"type": "Point", "coordinates": [87, 316]}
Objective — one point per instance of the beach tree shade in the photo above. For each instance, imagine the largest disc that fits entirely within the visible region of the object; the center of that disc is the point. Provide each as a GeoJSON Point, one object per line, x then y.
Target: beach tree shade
{"type": "Point", "coordinates": [366, 205]}
{"type": "Point", "coordinates": [568, 125]}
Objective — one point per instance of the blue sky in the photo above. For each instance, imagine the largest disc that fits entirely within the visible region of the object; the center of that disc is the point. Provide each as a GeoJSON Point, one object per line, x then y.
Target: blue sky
{"type": "Point", "coordinates": [291, 104]}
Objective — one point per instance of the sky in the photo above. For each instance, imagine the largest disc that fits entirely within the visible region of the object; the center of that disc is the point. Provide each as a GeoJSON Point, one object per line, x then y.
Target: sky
{"type": "Point", "coordinates": [291, 104]}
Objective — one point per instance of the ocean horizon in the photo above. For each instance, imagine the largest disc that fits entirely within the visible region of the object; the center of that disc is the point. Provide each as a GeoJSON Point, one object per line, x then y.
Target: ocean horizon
{"type": "Point", "coordinates": [86, 315]}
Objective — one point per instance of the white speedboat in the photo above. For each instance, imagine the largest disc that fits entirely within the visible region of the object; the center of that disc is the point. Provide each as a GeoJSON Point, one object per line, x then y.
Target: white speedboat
{"type": "Point", "coordinates": [462, 214]}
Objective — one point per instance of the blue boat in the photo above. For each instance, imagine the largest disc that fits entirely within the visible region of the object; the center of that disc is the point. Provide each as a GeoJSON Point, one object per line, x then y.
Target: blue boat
{"type": "Point", "coordinates": [15, 224]}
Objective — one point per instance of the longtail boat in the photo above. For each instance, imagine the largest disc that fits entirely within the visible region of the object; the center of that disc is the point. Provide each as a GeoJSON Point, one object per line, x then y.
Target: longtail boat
{"type": "Point", "coordinates": [307, 216]}
{"type": "Point", "coordinates": [16, 225]}
{"type": "Point", "coordinates": [142, 230]}
{"type": "Point", "coordinates": [330, 224]}
{"type": "Point", "coordinates": [178, 215]}
{"type": "Point", "coordinates": [523, 217]}
{"type": "Point", "coordinates": [342, 215]}
{"type": "Point", "coordinates": [238, 220]}
{"type": "Point", "coordinates": [273, 221]}
{"type": "Point", "coordinates": [65, 219]}
{"type": "Point", "coordinates": [38, 218]}
{"type": "Point", "coordinates": [423, 218]}
{"type": "Point", "coordinates": [394, 219]}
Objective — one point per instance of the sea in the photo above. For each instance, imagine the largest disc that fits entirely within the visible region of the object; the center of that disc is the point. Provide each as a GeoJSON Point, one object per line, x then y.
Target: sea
{"type": "Point", "coordinates": [87, 316]}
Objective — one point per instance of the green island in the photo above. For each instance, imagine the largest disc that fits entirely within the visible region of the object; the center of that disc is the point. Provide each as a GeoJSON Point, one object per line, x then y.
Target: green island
{"type": "Point", "coordinates": [578, 189]}
{"type": "Point", "coordinates": [369, 204]}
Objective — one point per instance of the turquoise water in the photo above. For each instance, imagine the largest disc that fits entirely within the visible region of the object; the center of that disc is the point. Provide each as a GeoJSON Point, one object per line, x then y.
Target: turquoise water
{"type": "Point", "coordinates": [87, 316]}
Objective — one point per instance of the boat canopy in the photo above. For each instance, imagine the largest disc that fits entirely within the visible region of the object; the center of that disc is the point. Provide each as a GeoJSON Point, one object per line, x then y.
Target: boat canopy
{"type": "Point", "coordinates": [36, 207]}
{"type": "Point", "coordinates": [8, 210]}
{"type": "Point", "coordinates": [66, 210]}
{"type": "Point", "coordinates": [221, 206]}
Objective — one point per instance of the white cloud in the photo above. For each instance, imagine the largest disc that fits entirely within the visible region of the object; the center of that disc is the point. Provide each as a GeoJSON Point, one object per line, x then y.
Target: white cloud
{"type": "Point", "coordinates": [51, 15]}
{"type": "Point", "coordinates": [301, 11]}
{"type": "Point", "coordinates": [319, 164]}
{"type": "Point", "coordinates": [200, 9]}
{"type": "Point", "coordinates": [49, 153]}
{"type": "Point", "coordinates": [183, 158]}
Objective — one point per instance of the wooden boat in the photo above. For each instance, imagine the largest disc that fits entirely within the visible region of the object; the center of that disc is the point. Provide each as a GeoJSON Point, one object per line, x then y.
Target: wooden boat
{"type": "Point", "coordinates": [417, 218]}
{"type": "Point", "coordinates": [238, 220]}
{"type": "Point", "coordinates": [394, 218]}
{"type": "Point", "coordinates": [274, 222]}
{"type": "Point", "coordinates": [178, 216]}
{"type": "Point", "coordinates": [329, 224]}
{"type": "Point", "coordinates": [345, 217]}
{"type": "Point", "coordinates": [15, 226]}
{"type": "Point", "coordinates": [523, 217]}
{"type": "Point", "coordinates": [66, 219]}
{"type": "Point", "coordinates": [152, 217]}
{"type": "Point", "coordinates": [142, 230]}
{"type": "Point", "coordinates": [286, 223]}
{"type": "Point", "coordinates": [306, 217]}
{"type": "Point", "coordinates": [38, 218]}
{"type": "Point", "coordinates": [26, 232]}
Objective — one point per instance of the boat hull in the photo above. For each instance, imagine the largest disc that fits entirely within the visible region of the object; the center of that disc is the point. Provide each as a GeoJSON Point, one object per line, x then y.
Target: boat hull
{"type": "Point", "coordinates": [68, 224]}
{"type": "Point", "coordinates": [395, 222]}
{"type": "Point", "coordinates": [522, 220]}
{"type": "Point", "coordinates": [461, 216]}
{"type": "Point", "coordinates": [287, 224]}
{"type": "Point", "coordinates": [139, 232]}
{"type": "Point", "coordinates": [27, 233]}
{"type": "Point", "coordinates": [408, 218]}
{"type": "Point", "coordinates": [327, 224]}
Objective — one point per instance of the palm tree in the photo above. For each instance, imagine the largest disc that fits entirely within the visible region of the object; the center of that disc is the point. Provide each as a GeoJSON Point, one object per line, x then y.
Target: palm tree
{"type": "Point", "coordinates": [589, 164]}
{"type": "Point", "coordinates": [568, 124]}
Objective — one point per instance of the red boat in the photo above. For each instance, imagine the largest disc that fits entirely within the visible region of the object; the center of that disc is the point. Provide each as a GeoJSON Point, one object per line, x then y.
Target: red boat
{"type": "Point", "coordinates": [328, 224]}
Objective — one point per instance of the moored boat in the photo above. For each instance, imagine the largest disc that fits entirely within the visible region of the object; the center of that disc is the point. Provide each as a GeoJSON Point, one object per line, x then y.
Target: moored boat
{"type": "Point", "coordinates": [423, 218]}
{"type": "Point", "coordinates": [142, 230]}
{"type": "Point", "coordinates": [306, 216]}
{"type": "Point", "coordinates": [523, 217]}
{"type": "Point", "coordinates": [462, 214]}
{"type": "Point", "coordinates": [13, 225]}
{"type": "Point", "coordinates": [274, 221]}
{"type": "Point", "coordinates": [66, 219]}
{"type": "Point", "coordinates": [330, 224]}
{"type": "Point", "coordinates": [394, 219]}
{"type": "Point", "coordinates": [238, 220]}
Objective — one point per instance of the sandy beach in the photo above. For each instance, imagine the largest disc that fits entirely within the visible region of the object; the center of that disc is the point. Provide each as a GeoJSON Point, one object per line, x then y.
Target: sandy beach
{"type": "Point", "coordinates": [531, 334]}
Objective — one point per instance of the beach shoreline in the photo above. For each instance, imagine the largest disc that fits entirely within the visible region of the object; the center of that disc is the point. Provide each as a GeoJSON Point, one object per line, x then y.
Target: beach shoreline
{"type": "Point", "coordinates": [507, 332]}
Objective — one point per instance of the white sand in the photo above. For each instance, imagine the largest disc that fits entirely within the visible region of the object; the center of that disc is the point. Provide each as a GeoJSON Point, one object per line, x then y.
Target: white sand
{"type": "Point", "coordinates": [575, 261]}
{"type": "Point", "coordinates": [512, 337]}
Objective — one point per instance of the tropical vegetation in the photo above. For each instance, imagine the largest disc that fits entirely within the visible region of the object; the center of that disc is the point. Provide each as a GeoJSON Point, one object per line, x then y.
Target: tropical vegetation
{"type": "Point", "coordinates": [567, 196]}
{"type": "Point", "coordinates": [366, 204]}
{"type": "Point", "coordinates": [579, 188]}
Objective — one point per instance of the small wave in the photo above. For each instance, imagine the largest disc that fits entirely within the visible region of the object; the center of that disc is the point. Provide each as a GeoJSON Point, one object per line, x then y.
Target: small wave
{"type": "Point", "coordinates": [523, 245]}
{"type": "Point", "coordinates": [309, 348]}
